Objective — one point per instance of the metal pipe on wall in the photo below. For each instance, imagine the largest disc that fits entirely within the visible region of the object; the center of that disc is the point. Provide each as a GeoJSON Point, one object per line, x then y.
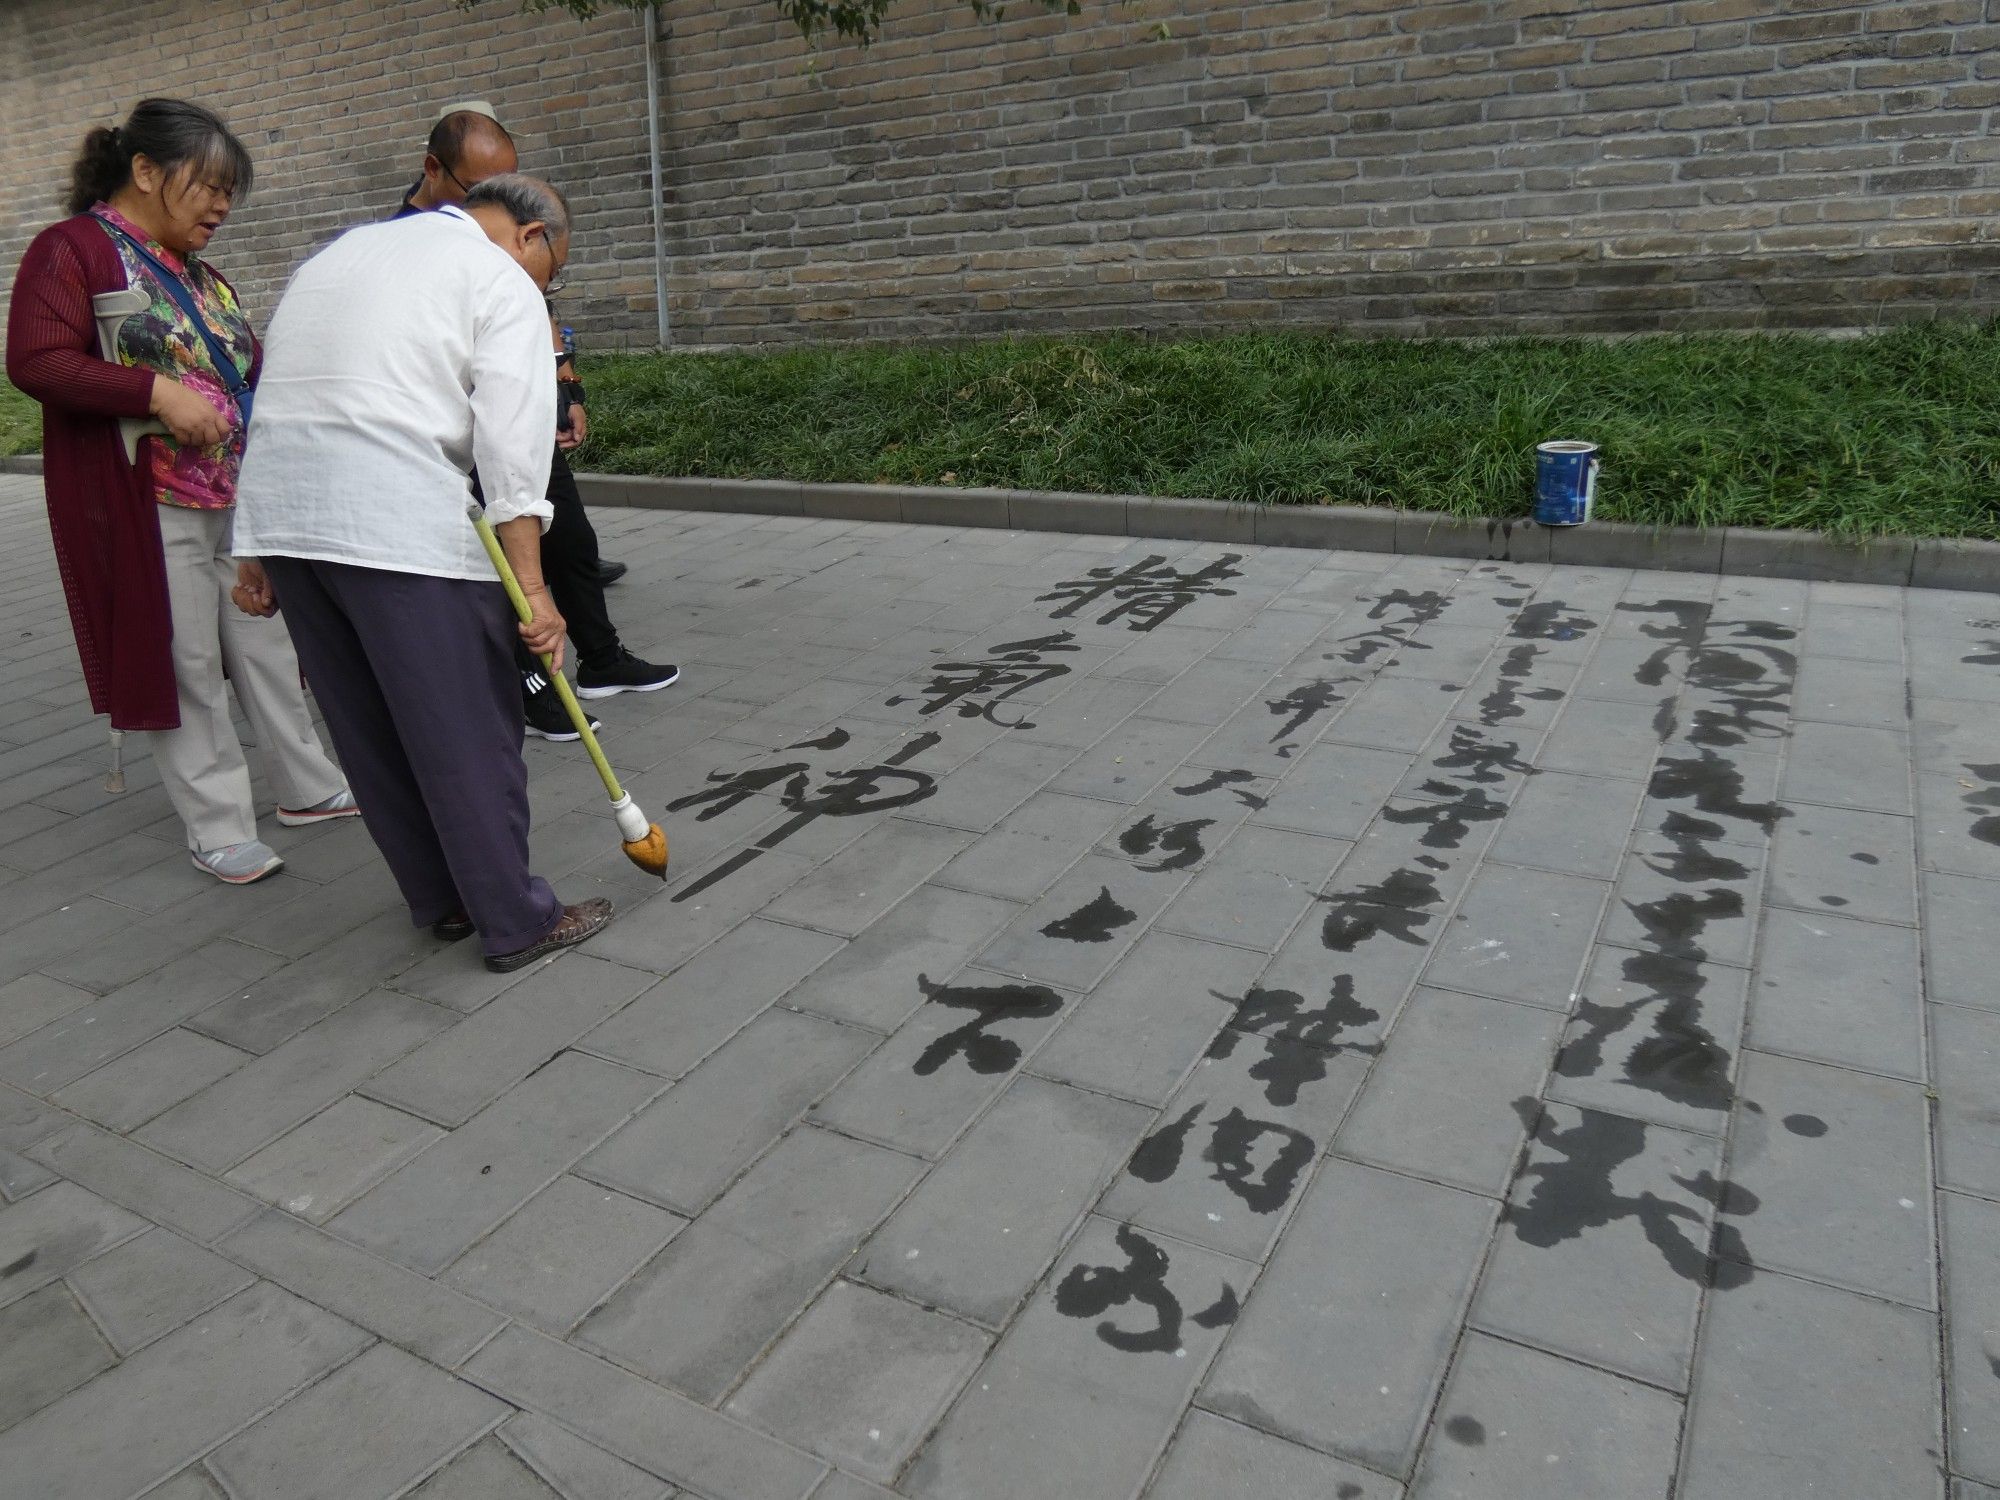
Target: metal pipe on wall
{"type": "Point", "coordinates": [652, 15]}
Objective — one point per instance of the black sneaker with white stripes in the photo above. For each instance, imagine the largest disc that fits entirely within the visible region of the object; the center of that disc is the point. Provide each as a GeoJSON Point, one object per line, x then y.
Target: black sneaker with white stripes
{"type": "Point", "coordinates": [545, 714]}
{"type": "Point", "coordinates": [625, 673]}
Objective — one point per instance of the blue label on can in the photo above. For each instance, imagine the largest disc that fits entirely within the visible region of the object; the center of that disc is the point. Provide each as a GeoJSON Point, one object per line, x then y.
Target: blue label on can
{"type": "Point", "coordinates": [1565, 483]}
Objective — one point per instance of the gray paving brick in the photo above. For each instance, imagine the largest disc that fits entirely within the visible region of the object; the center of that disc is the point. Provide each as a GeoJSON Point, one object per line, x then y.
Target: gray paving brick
{"type": "Point", "coordinates": [1593, 738]}
{"type": "Point", "coordinates": [488, 1470]}
{"type": "Point", "coordinates": [1097, 911]}
{"type": "Point", "coordinates": [1211, 1457]}
{"type": "Point", "coordinates": [20, 1177]}
{"type": "Point", "coordinates": [660, 935]}
{"type": "Point", "coordinates": [578, 1470]}
{"type": "Point", "coordinates": [1813, 864]}
{"type": "Point", "coordinates": [685, 1017]}
{"type": "Point", "coordinates": [150, 1079]}
{"type": "Point", "coordinates": [257, 1103]}
{"type": "Point", "coordinates": [407, 1309]}
{"type": "Point", "coordinates": [1334, 790]}
{"type": "Point", "coordinates": [567, 1246]}
{"type": "Point", "coordinates": [48, 1234]}
{"type": "Point", "coordinates": [872, 981]}
{"type": "Point", "coordinates": [317, 1169]}
{"type": "Point", "coordinates": [1089, 711]}
{"type": "Point", "coordinates": [684, 1148]}
{"type": "Point", "coordinates": [145, 1182]}
{"type": "Point", "coordinates": [1971, 1234]}
{"type": "Point", "coordinates": [32, 1001]}
{"type": "Point", "coordinates": [48, 1347]}
{"type": "Point", "coordinates": [860, 1378]}
{"type": "Point", "coordinates": [1839, 991]}
{"type": "Point", "coordinates": [371, 1427]}
{"type": "Point", "coordinates": [42, 940]}
{"type": "Point", "coordinates": [1440, 1101]}
{"type": "Point", "coordinates": [426, 1213]}
{"type": "Point", "coordinates": [274, 1009]}
{"type": "Point", "coordinates": [317, 916]}
{"type": "Point", "coordinates": [1838, 1163]}
{"type": "Point", "coordinates": [1946, 734]}
{"type": "Point", "coordinates": [1965, 1053]}
{"type": "Point", "coordinates": [1131, 761]}
{"type": "Point", "coordinates": [1514, 1421]}
{"type": "Point", "coordinates": [1578, 825]}
{"type": "Point", "coordinates": [1851, 692]}
{"type": "Point", "coordinates": [640, 1423]}
{"type": "Point", "coordinates": [1274, 637]}
{"type": "Point", "coordinates": [1954, 833]}
{"type": "Point", "coordinates": [82, 1040]}
{"type": "Point", "coordinates": [147, 1418]}
{"type": "Point", "coordinates": [1844, 765]}
{"type": "Point", "coordinates": [1519, 935]}
{"type": "Point", "coordinates": [978, 794]}
{"type": "Point", "coordinates": [990, 1217]}
{"type": "Point", "coordinates": [1213, 689]}
{"type": "Point", "coordinates": [841, 1486]}
{"type": "Point", "coordinates": [1102, 1382]}
{"type": "Point", "coordinates": [1866, 1424]}
{"type": "Point", "coordinates": [1965, 1489]}
{"type": "Point", "coordinates": [1254, 892]}
{"type": "Point", "coordinates": [1137, 1034]}
{"type": "Point", "coordinates": [1182, 825]}
{"type": "Point", "coordinates": [460, 1071]}
{"type": "Point", "coordinates": [697, 1315]}
{"type": "Point", "coordinates": [117, 960]}
{"type": "Point", "coordinates": [1344, 1341]}
{"type": "Point", "coordinates": [858, 885]}
{"type": "Point", "coordinates": [1603, 1249]}
{"type": "Point", "coordinates": [149, 1286]}
{"type": "Point", "coordinates": [1854, 631]}
{"type": "Point", "coordinates": [1031, 847]}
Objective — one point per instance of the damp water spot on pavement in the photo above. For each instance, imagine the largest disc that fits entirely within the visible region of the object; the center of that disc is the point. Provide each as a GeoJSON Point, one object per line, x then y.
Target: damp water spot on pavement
{"type": "Point", "coordinates": [1810, 1126]}
{"type": "Point", "coordinates": [1467, 1430]}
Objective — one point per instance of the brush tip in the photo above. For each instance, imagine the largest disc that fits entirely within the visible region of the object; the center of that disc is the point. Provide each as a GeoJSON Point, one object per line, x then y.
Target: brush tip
{"type": "Point", "coordinates": [650, 852]}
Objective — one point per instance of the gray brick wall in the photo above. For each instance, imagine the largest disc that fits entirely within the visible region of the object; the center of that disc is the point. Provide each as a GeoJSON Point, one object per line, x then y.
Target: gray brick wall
{"type": "Point", "coordinates": [1398, 166]}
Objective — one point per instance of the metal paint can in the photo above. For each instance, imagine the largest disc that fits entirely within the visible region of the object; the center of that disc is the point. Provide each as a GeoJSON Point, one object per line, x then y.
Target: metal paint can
{"type": "Point", "coordinates": [1565, 483]}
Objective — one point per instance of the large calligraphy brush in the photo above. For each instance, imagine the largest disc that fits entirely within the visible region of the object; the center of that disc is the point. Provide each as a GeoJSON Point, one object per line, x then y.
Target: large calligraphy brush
{"type": "Point", "coordinates": [645, 844]}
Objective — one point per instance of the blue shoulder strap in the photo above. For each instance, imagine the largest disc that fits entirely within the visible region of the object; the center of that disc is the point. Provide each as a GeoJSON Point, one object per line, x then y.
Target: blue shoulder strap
{"type": "Point", "coordinates": [225, 363]}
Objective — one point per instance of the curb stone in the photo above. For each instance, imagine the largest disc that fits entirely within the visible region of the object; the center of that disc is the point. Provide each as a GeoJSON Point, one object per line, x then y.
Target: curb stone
{"type": "Point", "coordinates": [1926, 563]}
{"type": "Point", "coordinates": [1941, 563]}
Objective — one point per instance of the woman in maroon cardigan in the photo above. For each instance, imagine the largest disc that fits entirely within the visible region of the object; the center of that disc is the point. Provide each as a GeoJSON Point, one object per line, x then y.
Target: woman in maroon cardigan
{"type": "Point", "coordinates": [142, 536]}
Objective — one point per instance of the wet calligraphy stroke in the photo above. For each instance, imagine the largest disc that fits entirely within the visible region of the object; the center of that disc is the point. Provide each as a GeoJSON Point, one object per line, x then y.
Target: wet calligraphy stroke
{"type": "Point", "coordinates": [1145, 594]}
{"type": "Point", "coordinates": [976, 689]}
{"type": "Point", "coordinates": [842, 794]}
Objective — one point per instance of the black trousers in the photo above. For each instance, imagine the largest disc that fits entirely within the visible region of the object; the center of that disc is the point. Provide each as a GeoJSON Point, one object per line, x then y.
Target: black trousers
{"type": "Point", "coordinates": [569, 566]}
{"type": "Point", "coordinates": [412, 674]}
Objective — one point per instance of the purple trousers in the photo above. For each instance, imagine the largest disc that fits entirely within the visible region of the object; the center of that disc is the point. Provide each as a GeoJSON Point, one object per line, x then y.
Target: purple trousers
{"type": "Point", "coordinates": [416, 678]}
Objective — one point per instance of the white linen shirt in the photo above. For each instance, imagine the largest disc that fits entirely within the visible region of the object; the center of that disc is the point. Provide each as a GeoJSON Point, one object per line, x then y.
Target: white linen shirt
{"type": "Point", "coordinates": [401, 356]}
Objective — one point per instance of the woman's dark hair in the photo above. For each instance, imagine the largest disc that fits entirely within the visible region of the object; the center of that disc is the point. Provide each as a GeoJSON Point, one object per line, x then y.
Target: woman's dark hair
{"type": "Point", "coordinates": [172, 134]}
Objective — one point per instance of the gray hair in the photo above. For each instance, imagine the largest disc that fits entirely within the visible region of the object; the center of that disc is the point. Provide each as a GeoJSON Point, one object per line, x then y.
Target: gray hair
{"type": "Point", "coordinates": [527, 200]}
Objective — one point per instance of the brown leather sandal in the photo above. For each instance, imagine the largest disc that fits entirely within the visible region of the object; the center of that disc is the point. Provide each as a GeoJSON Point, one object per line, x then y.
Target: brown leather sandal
{"type": "Point", "coordinates": [576, 923]}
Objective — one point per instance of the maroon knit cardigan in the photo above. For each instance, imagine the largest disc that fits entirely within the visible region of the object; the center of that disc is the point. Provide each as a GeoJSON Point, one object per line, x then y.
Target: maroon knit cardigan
{"type": "Point", "coordinates": [102, 513]}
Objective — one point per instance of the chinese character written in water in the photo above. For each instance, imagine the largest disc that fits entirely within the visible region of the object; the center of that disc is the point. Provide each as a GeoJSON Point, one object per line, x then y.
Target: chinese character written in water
{"type": "Point", "coordinates": [1092, 1291]}
{"type": "Point", "coordinates": [1145, 594]}
{"type": "Point", "coordinates": [978, 688]}
{"type": "Point", "coordinates": [842, 794]}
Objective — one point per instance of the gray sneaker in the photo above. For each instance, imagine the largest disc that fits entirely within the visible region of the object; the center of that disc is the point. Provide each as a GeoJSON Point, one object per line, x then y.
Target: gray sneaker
{"type": "Point", "coordinates": [239, 864]}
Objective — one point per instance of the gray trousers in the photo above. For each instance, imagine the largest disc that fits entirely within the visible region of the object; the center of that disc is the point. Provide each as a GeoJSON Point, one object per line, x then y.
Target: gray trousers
{"type": "Point", "coordinates": [201, 763]}
{"type": "Point", "coordinates": [416, 678]}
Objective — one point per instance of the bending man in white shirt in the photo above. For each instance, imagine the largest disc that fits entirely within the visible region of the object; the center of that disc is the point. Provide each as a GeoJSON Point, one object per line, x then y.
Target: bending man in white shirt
{"type": "Point", "coordinates": [400, 357]}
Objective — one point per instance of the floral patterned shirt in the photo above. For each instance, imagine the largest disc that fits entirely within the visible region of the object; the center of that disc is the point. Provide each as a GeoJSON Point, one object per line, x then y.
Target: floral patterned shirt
{"type": "Point", "coordinates": [161, 338]}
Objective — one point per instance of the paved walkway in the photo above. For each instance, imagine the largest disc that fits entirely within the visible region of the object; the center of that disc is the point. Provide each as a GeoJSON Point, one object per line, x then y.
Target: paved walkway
{"type": "Point", "coordinates": [1128, 1018]}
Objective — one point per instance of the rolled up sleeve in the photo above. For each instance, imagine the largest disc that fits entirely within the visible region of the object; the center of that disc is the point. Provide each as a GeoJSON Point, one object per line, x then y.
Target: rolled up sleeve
{"type": "Point", "coordinates": [513, 401]}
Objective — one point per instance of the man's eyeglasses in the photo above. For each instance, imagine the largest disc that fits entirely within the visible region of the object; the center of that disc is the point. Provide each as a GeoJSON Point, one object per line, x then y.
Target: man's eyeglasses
{"type": "Point", "coordinates": [557, 281]}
